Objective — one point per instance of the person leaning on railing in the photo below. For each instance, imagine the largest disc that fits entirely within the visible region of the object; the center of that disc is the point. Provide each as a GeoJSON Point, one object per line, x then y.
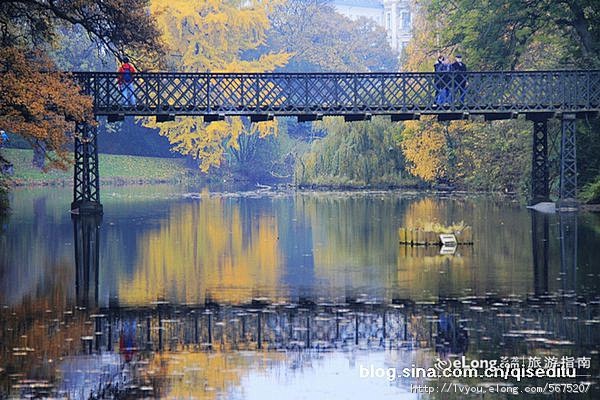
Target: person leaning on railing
{"type": "Point", "coordinates": [459, 68]}
{"type": "Point", "coordinates": [443, 81]}
{"type": "Point", "coordinates": [125, 81]}
{"type": "Point", "coordinates": [437, 80]}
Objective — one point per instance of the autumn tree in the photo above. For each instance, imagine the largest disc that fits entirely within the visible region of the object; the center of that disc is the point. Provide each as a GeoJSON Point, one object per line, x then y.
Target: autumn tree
{"type": "Point", "coordinates": [424, 146]}
{"type": "Point", "coordinates": [492, 36]}
{"type": "Point", "coordinates": [37, 101]}
{"type": "Point", "coordinates": [475, 155]}
{"type": "Point", "coordinates": [214, 36]}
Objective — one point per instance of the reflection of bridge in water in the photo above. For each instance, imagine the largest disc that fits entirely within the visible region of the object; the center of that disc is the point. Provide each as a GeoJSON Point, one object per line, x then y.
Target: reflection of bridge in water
{"type": "Point", "coordinates": [118, 340]}
{"type": "Point", "coordinates": [483, 327]}
{"type": "Point", "coordinates": [447, 326]}
{"type": "Point", "coordinates": [540, 241]}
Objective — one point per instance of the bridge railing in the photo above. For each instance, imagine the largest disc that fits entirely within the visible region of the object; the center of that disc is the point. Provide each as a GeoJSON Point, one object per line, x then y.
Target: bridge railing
{"type": "Point", "coordinates": [343, 93]}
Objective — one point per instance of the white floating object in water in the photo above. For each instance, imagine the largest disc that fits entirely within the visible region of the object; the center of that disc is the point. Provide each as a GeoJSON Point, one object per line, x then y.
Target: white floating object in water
{"type": "Point", "coordinates": [448, 239]}
{"type": "Point", "coordinates": [544, 207]}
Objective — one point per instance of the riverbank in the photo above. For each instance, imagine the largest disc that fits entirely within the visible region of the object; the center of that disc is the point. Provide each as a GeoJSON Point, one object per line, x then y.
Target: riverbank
{"type": "Point", "coordinates": [114, 169]}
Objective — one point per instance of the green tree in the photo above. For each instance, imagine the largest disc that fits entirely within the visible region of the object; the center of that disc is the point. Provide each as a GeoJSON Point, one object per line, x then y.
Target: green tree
{"type": "Point", "coordinates": [320, 39]}
{"type": "Point", "coordinates": [119, 26]}
{"type": "Point", "coordinates": [353, 154]}
{"type": "Point", "coordinates": [499, 35]}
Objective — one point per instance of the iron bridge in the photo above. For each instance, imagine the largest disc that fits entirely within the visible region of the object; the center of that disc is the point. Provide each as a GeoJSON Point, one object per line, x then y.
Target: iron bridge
{"type": "Point", "coordinates": [538, 95]}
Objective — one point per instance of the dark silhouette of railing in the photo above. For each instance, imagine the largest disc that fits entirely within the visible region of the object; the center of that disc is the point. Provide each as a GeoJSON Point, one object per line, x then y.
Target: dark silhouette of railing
{"type": "Point", "coordinates": [539, 95]}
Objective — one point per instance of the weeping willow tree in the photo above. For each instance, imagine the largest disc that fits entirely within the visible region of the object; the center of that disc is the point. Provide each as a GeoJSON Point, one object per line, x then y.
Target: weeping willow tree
{"type": "Point", "coordinates": [354, 154]}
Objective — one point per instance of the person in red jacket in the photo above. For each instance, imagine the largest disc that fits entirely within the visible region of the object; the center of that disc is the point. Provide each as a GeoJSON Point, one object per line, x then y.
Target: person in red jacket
{"type": "Point", "coordinates": [125, 81]}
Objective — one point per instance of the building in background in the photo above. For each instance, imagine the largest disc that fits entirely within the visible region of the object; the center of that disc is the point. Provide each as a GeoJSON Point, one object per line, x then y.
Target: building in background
{"type": "Point", "coordinates": [398, 16]}
{"type": "Point", "coordinates": [395, 16]}
{"type": "Point", "coordinates": [354, 9]}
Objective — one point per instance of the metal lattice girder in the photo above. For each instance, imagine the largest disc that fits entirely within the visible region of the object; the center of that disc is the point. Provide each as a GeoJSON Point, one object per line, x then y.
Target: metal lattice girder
{"type": "Point", "coordinates": [86, 179]}
{"type": "Point", "coordinates": [539, 161]}
{"type": "Point", "coordinates": [568, 161]}
{"type": "Point", "coordinates": [344, 93]}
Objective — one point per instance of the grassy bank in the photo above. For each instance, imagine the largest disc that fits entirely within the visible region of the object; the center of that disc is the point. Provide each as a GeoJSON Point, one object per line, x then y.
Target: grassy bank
{"type": "Point", "coordinates": [113, 169]}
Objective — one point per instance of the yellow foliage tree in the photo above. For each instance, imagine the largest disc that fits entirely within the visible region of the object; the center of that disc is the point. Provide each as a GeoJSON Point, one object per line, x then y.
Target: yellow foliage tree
{"type": "Point", "coordinates": [211, 35]}
{"type": "Point", "coordinates": [437, 151]}
{"type": "Point", "coordinates": [424, 147]}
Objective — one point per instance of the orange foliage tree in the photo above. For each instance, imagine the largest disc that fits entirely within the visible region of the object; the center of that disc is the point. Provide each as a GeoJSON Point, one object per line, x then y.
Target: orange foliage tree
{"type": "Point", "coordinates": [40, 103]}
{"type": "Point", "coordinates": [37, 101]}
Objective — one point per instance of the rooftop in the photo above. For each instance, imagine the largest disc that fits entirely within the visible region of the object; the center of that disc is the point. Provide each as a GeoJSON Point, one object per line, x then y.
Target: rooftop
{"type": "Point", "coordinates": [359, 3]}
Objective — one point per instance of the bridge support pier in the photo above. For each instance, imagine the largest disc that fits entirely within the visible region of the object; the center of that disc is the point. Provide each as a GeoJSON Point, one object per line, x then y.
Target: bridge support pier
{"type": "Point", "coordinates": [86, 179]}
{"type": "Point", "coordinates": [568, 164]}
{"type": "Point", "coordinates": [540, 191]}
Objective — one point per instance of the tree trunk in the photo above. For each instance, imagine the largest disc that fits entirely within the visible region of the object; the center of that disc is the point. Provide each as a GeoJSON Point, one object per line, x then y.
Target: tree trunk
{"type": "Point", "coordinates": [39, 154]}
{"type": "Point", "coordinates": [581, 25]}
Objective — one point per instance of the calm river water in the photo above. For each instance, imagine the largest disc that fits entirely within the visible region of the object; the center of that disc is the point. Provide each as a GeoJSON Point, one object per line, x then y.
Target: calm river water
{"type": "Point", "coordinates": [260, 295]}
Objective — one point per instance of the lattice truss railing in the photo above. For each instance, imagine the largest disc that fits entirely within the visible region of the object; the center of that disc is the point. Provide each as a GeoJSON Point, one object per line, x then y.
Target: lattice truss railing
{"type": "Point", "coordinates": [343, 93]}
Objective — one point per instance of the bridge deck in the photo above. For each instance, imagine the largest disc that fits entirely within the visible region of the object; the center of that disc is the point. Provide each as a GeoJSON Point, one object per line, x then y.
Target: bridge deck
{"type": "Point", "coordinates": [354, 95]}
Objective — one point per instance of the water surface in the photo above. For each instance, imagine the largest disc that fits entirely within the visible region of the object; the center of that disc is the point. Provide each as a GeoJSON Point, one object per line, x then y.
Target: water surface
{"type": "Point", "coordinates": [184, 293]}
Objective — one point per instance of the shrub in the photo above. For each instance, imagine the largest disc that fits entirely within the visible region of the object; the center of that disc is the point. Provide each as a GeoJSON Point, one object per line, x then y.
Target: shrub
{"type": "Point", "coordinates": [591, 192]}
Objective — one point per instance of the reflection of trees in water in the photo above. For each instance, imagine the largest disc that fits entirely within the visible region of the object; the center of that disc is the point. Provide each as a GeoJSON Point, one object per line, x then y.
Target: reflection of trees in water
{"type": "Point", "coordinates": [498, 262]}
{"type": "Point", "coordinates": [41, 329]}
{"type": "Point", "coordinates": [204, 249]}
{"type": "Point", "coordinates": [354, 240]}
{"type": "Point", "coordinates": [203, 375]}
{"type": "Point", "coordinates": [330, 245]}
{"type": "Point", "coordinates": [30, 247]}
